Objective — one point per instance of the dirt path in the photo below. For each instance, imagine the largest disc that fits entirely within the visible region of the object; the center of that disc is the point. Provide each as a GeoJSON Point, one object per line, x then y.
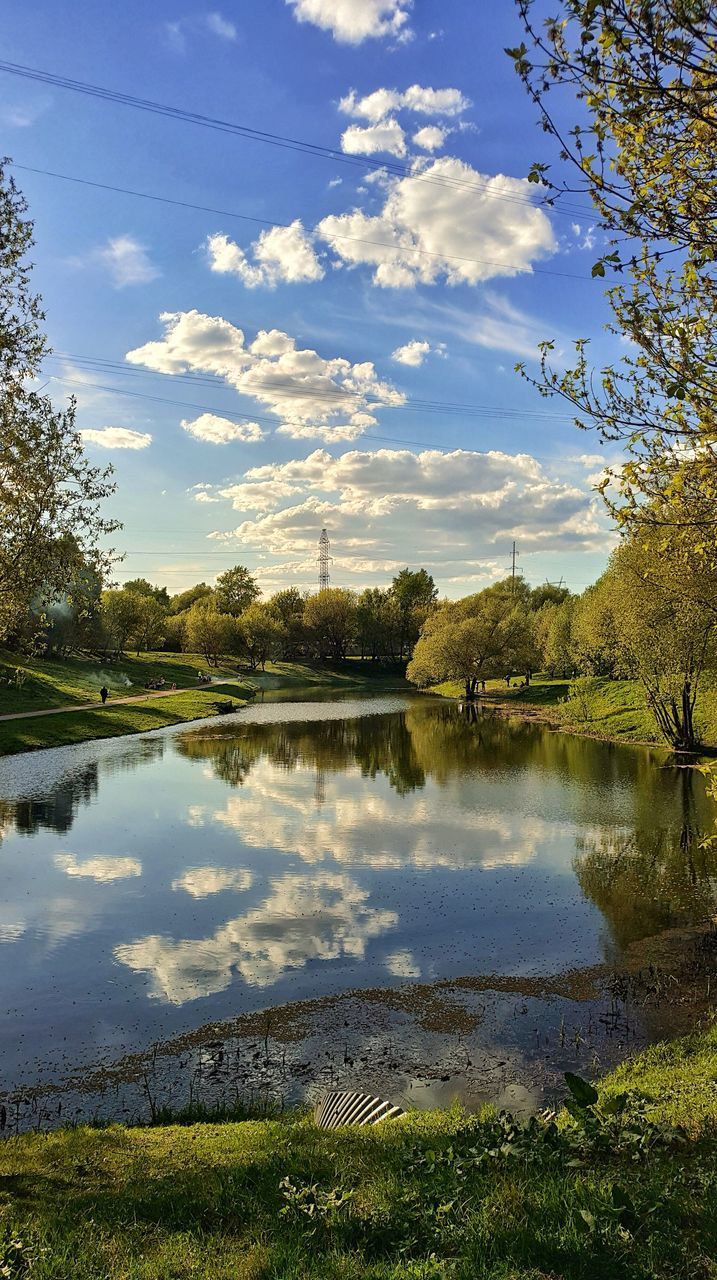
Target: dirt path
{"type": "Point", "coordinates": [114, 702]}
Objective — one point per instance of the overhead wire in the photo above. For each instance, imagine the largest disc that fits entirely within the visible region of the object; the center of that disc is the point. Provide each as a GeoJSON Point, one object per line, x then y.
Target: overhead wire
{"type": "Point", "coordinates": [268, 222]}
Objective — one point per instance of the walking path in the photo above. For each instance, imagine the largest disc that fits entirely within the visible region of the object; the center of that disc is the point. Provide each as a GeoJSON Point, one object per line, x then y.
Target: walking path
{"type": "Point", "coordinates": [114, 702]}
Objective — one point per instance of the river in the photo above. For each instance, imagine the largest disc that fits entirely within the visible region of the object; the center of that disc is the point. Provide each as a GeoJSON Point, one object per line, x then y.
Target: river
{"type": "Point", "coordinates": [363, 889]}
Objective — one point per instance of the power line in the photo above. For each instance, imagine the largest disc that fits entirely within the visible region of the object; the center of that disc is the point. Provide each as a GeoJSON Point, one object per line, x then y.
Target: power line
{"type": "Point", "coordinates": [228, 413]}
{"type": "Point", "coordinates": [267, 222]}
{"type": "Point", "coordinates": [259, 135]}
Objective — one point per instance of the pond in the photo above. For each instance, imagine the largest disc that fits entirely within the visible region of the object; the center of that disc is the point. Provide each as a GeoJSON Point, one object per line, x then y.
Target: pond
{"type": "Point", "coordinates": [380, 889]}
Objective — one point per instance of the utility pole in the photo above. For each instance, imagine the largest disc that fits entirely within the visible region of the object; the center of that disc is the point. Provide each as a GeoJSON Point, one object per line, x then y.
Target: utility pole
{"type": "Point", "coordinates": [512, 573]}
{"type": "Point", "coordinates": [323, 560]}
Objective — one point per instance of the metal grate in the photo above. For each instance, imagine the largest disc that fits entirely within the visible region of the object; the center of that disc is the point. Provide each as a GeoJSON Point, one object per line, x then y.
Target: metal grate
{"type": "Point", "coordinates": [347, 1107]}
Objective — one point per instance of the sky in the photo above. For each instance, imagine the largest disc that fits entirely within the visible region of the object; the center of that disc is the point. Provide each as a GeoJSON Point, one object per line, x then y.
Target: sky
{"type": "Point", "coordinates": [319, 327]}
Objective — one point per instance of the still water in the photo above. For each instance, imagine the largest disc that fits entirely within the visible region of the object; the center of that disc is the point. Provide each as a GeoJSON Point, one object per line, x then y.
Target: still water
{"type": "Point", "coordinates": [296, 851]}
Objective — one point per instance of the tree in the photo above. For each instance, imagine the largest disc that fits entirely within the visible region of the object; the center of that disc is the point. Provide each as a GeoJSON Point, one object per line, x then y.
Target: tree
{"type": "Point", "coordinates": [553, 628]}
{"type": "Point", "coordinates": [208, 631]}
{"type": "Point", "coordinates": [330, 618]}
{"type": "Point", "coordinates": [595, 632]}
{"type": "Point", "coordinates": [150, 622]}
{"type": "Point", "coordinates": [289, 606]}
{"type": "Point", "coordinates": [261, 632]}
{"type": "Point", "coordinates": [141, 587]}
{"type": "Point", "coordinates": [236, 590]}
{"type": "Point", "coordinates": [646, 155]}
{"type": "Point", "coordinates": [415, 593]}
{"type": "Point", "coordinates": [479, 637]}
{"type": "Point", "coordinates": [120, 614]}
{"type": "Point", "coordinates": [185, 599]}
{"type": "Point", "coordinates": [50, 497]}
{"type": "Point", "coordinates": [378, 623]}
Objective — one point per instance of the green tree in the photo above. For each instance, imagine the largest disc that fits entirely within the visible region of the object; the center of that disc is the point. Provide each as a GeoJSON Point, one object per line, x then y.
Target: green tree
{"type": "Point", "coordinates": [482, 636]}
{"type": "Point", "coordinates": [120, 612]}
{"type": "Point", "coordinates": [208, 631]}
{"type": "Point", "coordinates": [645, 152]}
{"type": "Point", "coordinates": [553, 628]}
{"type": "Point", "coordinates": [261, 634]}
{"type": "Point", "coordinates": [378, 623]}
{"type": "Point", "coordinates": [51, 522]}
{"type": "Point", "coordinates": [150, 623]}
{"type": "Point", "coordinates": [236, 589]}
{"type": "Point", "coordinates": [330, 618]}
{"type": "Point", "coordinates": [142, 587]}
{"type": "Point", "coordinates": [289, 606]}
{"type": "Point", "coordinates": [185, 599]}
{"type": "Point", "coordinates": [415, 593]}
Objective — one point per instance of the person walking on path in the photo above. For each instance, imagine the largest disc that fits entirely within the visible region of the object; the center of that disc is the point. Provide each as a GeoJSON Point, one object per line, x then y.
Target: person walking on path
{"type": "Point", "coordinates": [103, 694]}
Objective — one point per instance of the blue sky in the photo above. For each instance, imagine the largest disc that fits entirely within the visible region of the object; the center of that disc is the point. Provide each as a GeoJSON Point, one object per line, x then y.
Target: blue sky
{"type": "Point", "coordinates": [347, 358]}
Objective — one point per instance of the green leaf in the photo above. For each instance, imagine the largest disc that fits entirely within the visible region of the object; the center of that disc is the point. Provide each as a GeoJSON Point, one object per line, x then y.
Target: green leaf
{"type": "Point", "coordinates": [583, 1092]}
{"type": "Point", "coordinates": [598, 269]}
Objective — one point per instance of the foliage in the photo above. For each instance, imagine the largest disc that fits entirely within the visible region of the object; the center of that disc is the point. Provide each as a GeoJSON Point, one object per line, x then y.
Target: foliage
{"type": "Point", "coordinates": [330, 620]}
{"type": "Point", "coordinates": [50, 497]}
{"type": "Point", "coordinates": [646, 155]}
{"type": "Point", "coordinates": [260, 632]}
{"type": "Point", "coordinates": [481, 636]}
{"type": "Point", "coordinates": [288, 605]}
{"type": "Point", "coordinates": [208, 631]}
{"type": "Point", "coordinates": [120, 615]}
{"type": "Point", "coordinates": [184, 600]}
{"type": "Point", "coordinates": [236, 589]}
{"type": "Point", "coordinates": [141, 587]}
{"type": "Point", "coordinates": [414, 593]}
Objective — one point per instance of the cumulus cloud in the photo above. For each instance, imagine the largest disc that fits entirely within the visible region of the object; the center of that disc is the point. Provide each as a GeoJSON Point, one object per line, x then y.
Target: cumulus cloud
{"type": "Point", "coordinates": [387, 136]}
{"type": "Point", "coordinates": [216, 430]}
{"type": "Point", "coordinates": [202, 882]}
{"type": "Point", "coordinates": [446, 221]}
{"type": "Point", "coordinates": [102, 868]}
{"type": "Point", "coordinates": [127, 261]}
{"type": "Point", "coordinates": [471, 504]}
{"type": "Point", "coordinates": [430, 138]}
{"type": "Point", "coordinates": [280, 255]}
{"type": "Point", "coordinates": [353, 21]}
{"type": "Point", "coordinates": [304, 919]}
{"type": "Point", "coordinates": [413, 353]}
{"type": "Point", "coordinates": [418, 98]}
{"type": "Point", "coordinates": [313, 396]}
{"type": "Point", "coordinates": [116, 437]}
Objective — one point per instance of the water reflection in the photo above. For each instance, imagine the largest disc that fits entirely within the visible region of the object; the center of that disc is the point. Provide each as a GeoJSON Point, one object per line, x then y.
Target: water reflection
{"type": "Point", "coordinates": [291, 853]}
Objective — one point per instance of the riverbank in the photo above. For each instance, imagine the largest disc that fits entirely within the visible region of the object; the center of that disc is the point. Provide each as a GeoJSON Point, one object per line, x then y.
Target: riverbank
{"type": "Point", "coordinates": [609, 710]}
{"type": "Point", "coordinates": [613, 1190]}
{"type": "Point", "coordinates": [29, 686]}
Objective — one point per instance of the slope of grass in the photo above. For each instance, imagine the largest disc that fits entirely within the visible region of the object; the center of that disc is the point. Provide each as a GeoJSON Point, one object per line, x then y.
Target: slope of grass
{"type": "Point", "coordinates": [61, 682]}
{"type": "Point", "coordinates": [436, 1194]}
{"type": "Point", "coordinates": [614, 709]}
{"type": "Point", "coordinates": [113, 720]}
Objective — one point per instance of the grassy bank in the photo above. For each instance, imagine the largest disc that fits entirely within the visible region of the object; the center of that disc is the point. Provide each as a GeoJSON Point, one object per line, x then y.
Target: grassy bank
{"type": "Point", "coordinates": [612, 709]}
{"type": "Point", "coordinates": [53, 684]}
{"type": "Point", "coordinates": [439, 1194]}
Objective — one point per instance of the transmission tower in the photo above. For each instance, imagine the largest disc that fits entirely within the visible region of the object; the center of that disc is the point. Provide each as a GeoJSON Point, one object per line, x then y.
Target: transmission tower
{"type": "Point", "coordinates": [324, 560]}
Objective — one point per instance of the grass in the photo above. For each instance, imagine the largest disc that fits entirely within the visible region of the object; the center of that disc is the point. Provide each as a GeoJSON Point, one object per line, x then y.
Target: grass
{"type": "Point", "coordinates": [435, 1194]}
{"type": "Point", "coordinates": [112, 721]}
{"type": "Point", "coordinates": [53, 684]}
{"type": "Point", "coordinates": [612, 709]}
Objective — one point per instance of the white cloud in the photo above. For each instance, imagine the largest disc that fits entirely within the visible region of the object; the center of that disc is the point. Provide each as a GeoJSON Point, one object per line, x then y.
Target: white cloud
{"type": "Point", "coordinates": [281, 255]}
{"type": "Point", "coordinates": [413, 353]}
{"type": "Point", "coordinates": [311, 395]}
{"type": "Point", "coordinates": [216, 430]}
{"type": "Point", "coordinates": [498, 325]}
{"type": "Point", "coordinates": [418, 98]}
{"type": "Point", "coordinates": [202, 882]}
{"type": "Point", "coordinates": [446, 222]}
{"type": "Point", "coordinates": [101, 868]}
{"type": "Point", "coordinates": [387, 136]}
{"type": "Point", "coordinates": [430, 138]}
{"type": "Point", "coordinates": [353, 21]}
{"type": "Point", "coordinates": [455, 510]}
{"type": "Point", "coordinates": [304, 919]}
{"type": "Point", "coordinates": [402, 964]}
{"type": "Point", "coordinates": [22, 116]}
{"type": "Point", "coordinates": [116, 437]}
{"type": "Point", "coordinates": [127, 261]}
{"type": "Point", "coordinates": [221, 27]}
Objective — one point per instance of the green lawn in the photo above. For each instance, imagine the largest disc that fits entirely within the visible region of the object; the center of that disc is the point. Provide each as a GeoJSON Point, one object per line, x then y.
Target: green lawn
{"type": "Point", "coordinates": [616, 709]}
{"type": "Point", "coordinates": [111, 721]}
{"type": "Point", "coordinates": [438, 1194]}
